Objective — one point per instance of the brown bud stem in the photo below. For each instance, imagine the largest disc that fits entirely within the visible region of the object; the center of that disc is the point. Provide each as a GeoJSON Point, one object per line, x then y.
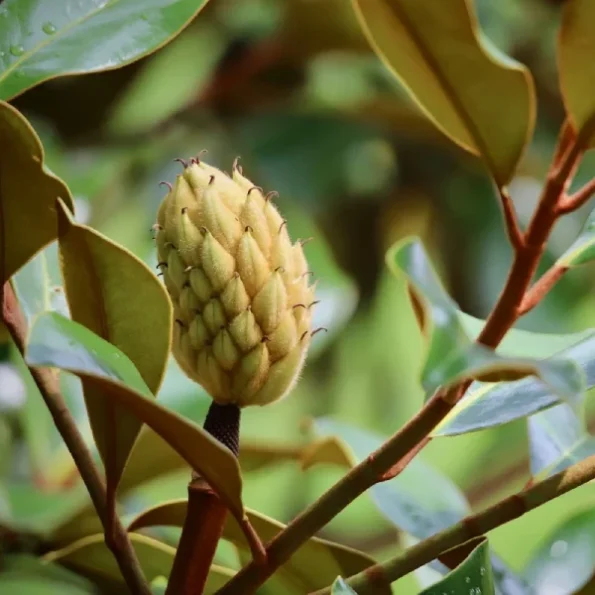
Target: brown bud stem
{"type": "Point", "coordinates": [206, 512]}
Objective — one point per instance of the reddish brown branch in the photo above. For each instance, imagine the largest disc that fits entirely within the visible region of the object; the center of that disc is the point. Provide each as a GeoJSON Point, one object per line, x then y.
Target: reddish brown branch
{"type": "Point", "coordinates": [201, 533]}
{"type": "Point", "coordinates": [116, 537]}
{"type": "Point", "coordinates": [541, 288]}
{"type": "Point", "coordinates": [578, 199]}
{"type": "Point", "coordinates": [419, 428]}
{"type": "Point", "coordinates": [515, 235]}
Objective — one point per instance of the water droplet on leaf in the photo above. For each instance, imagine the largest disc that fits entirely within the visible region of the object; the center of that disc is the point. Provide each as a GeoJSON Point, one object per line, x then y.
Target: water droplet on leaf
{"type": "Point", "coordinates": [49, 28]}
{"type": "Point", "coordinates": [17, 50]}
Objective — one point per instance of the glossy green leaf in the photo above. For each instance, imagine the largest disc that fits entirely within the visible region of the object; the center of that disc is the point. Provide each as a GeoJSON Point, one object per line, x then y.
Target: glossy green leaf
{"type": "Point", "coordinates": [486, 405]}
{"type": "Point", "coordinates": [28, 193]}
{"type": "Point", "coordinates": [31, 285]}
{"type": "Point", "coordinates": [557, 439]}
{"type": "Point", "coordinates": [576, 53]}
{"type": "Point", "coordinates": [165, 85]}
{"type": "Point", "coordinates": [456, 76]}
{"type": "Point", "coordinates": [115, 295]}
{"type": "Point", "coordinates": [583, 249]}
{"type": "Point", "coordinates": [405, 500]}
{"type": "Point", "coordinates": [91, 557]}
{"type": "Point", "coordinates": [313, 566]}
{"type": "Point", "coordinates": [452, 355]}
{"type": "Point", "coordinates": [473, 575]}
{"type": "Point", "coordinates": [42, 42]}
{"type": "Point", "coordinates": [522, 343]}
{"type": "Point", "coordinates": [340, 587]}
{"type": "Point", "coordinates": [565, 562]}
{"type": "Point", "coordinates": [61, 343]}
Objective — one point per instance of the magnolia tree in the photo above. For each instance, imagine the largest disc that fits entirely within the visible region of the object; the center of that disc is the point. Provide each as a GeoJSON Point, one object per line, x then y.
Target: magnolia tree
{"type": "Point", "coordinates": [236, 305]}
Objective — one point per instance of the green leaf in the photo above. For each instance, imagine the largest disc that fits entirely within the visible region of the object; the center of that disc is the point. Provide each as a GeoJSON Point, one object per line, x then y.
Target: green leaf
{"type": "Point", "coordinates": [340, 587]}
{"type": "Point", "coordinates": [487, 405]}
{"type": "Point", "coordinates": [31, 285]}
{"type": "Point", "coordinates": [312, 567]}
{"type": "Point", "coordinates": [456, 76]}
{"type": "Point", "coordinates": [85, 36]}
{"type": "Point", "coordinates": [61, 343]}
{"type": "Point", "coordinates": [405, 500]}
{"type": "Point", "coordinates": [557, 439]}
{"type": "Point", "coordinates": [565, 561]}
{"type": "Point", "coordinates": [473, 575]}
{"type": "Point", "coordinates": [91, 557]}
{"type": "Point", "coordinates": [116, 296]}
{"type": "Point", "coordinates": [576, 50]}
{"type": "Point", "coordinates": [452, 355]}
{"type": "Point", "coordinates": [583, 249]}
{"type": "Point", "coordinates": [28, 193]}
{"type": "Point", "coordinates": [29, 575]}
{"type": "Point", "coordinates": [159, 90]}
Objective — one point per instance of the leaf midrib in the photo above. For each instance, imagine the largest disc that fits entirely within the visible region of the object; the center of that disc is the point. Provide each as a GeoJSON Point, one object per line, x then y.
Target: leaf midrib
{"type": "Point", "coordinates": [53, 37]}
{"type": "Point", "coordinates": [450, 93]}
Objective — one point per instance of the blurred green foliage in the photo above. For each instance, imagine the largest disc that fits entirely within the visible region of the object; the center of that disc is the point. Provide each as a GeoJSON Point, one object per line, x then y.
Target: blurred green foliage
{"type": "Point", "coordinates": [313, 115]}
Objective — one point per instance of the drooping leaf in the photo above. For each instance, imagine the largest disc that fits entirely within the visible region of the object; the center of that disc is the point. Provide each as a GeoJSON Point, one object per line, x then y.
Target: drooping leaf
{"type": "Point", "coordinates": [340, 587]}
{"type": "Point", "coordinates": [576, 50]}
{"type": "Point", "coordinates": [313, 566]}
{"type": "Point", "coordinates": [31, 285]}
{"type": "Point", "coordinates": [455, 75]}
{"type": "Point", "coordinates": [583, 248]}
{"type": "Point", "coordinates": [473, 575]}
{"type": "Point", "coordinates": [487, 405]}
{"type": "Point", "coordinates": [84, 36]}
{"type": "Point", "coordinates": [27, 193]}
{"type": "Point", "coordinates": [452, 355]}
{"type": "Point", "coordinates": [61, 343]}
{"type": "Point", "coordinates": [405, 500]}
{"type": "Point", "coordinates": [566, 560]}
{"type": "Point", "coordinates": [115, 295]}
{"type": "Point", "coordinates": [91, 557]}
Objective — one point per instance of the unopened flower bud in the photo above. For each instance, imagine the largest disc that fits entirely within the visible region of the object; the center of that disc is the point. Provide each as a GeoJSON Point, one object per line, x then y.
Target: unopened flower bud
{"type": "Point", "coordinates": [241, 290]}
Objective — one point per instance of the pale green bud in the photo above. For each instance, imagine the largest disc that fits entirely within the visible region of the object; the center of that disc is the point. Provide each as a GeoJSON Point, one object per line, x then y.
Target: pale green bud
{"type": "Point", "coordinates": [240, 288]}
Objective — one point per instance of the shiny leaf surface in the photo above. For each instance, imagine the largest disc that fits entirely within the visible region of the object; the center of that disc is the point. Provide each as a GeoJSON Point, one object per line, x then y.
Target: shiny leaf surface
{"type": "Point", "coordinates": [583, 249]}
{"type": "Point", "coordinates": [487, 405]}
{"type": "Point", "coordinates": [565, 561]}
{"type": "Point", "coordinates": [455, 75]}
{"type": "Point", "coordinates": [28, 193]}
{"type": "Point", "coordinates": [452, 355]}
{"type": "Point", "coordinates": [473, 575]}
{"type": "Point", "coordinates": [43, 40]}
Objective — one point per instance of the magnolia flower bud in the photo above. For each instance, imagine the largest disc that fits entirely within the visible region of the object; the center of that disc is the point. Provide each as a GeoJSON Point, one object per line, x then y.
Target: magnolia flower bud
{"type": "Point", "coordinates": [240, 288]}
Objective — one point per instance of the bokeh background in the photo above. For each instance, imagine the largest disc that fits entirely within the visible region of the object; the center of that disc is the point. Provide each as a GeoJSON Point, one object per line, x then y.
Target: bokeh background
{"type": "Point", "coordinates": [292, 87]}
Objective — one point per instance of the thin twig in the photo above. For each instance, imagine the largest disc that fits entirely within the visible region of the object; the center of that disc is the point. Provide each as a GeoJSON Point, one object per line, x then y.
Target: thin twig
{"type": "Point", "coordinates": [116, 537]}
{"type": "Point", "coordinates": [578, 199]}
{"type": "Point", "coordinates": [515, 235]}
{"type": "Point", "coordinates": [371, 470]}
{"type": "Point", "coordinates": [472, 526]}
{"type": "Point", "coordinates": [541, 288]}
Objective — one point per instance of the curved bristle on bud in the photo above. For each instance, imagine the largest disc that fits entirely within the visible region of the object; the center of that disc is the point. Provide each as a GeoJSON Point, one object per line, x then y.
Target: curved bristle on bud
{"type": "Point", "coordinates": [241, 290]}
